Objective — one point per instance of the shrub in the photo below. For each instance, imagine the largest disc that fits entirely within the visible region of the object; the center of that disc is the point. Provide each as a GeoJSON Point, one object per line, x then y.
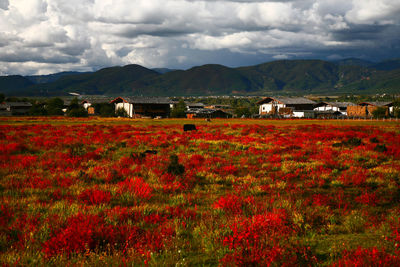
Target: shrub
{"type": "Point", "coordinates": [121, 112]}
{"type": "Point", "coordinates": [179, 110]}
{"type": "Point", "coordinates": [380, 148]}
{"type": "Point", "coordinates": [355, 222]}
{"type": "Point", "coordinates": [174, 167]}
{"type": "Point", "coordinates": [380, 112]}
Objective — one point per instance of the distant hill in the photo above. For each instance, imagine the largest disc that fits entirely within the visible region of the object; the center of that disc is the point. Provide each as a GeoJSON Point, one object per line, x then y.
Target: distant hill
{"type": "Point", "coordinates": [163, 70]}
{"type": "Point", "coordinates": [204, 80]}
{"type": "Point", "coordinates": [391, 64]}
{"type": "Point", "coordinates": [14, 84]}
{"type": "Point", "coordinates": [51, 77]}
{"type": "Point", "coordinates": [283, 77]}
{"type": "Point", "coordinates": [292, 75]}
{"type": "Point", "coordinates": [110, 81]}
{"type": "Point", "coordinates": [354, 62]}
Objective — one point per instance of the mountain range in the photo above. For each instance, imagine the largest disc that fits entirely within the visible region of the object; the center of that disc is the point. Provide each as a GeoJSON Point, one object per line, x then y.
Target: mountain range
{"type": "Point", "coordinates": [282, 76]}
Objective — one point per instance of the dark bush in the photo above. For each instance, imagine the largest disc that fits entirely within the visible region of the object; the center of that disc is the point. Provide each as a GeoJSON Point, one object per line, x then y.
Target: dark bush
{"type": "Point", "coordinates": [354, 141]}
{"type": "Point", "coordinates": [189, 127]}
{"type": "Point", "coordinates": [174, 167]}
{"type": "Point", "coordinates": [374, 140]}
{"type": "Point", "coordinates": [380, 148]}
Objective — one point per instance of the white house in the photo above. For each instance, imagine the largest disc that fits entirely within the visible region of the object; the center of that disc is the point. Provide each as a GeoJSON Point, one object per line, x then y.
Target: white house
{"type": "Point", "coordinates": [285, 106]}
{"type": "Point", "coordinates": [137, 106]}
{"type": "Point", "coordinates": [333, 106]}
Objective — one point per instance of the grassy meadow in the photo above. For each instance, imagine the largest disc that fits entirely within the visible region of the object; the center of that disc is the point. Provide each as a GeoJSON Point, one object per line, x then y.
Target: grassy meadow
{"type": "Point", "coordinates": [235, 192]}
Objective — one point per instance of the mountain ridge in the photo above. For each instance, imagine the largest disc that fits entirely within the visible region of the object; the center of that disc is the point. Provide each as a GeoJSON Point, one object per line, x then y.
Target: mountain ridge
{"type": "Point", "coordinates": [281, 76]}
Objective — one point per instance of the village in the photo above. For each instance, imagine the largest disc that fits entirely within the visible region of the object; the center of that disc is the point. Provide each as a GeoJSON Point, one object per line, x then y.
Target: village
{"type": "Point", "coordinates": [166, 107]}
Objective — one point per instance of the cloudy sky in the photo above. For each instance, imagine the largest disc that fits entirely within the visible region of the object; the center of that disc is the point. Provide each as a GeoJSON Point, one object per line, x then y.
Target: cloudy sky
{"type": "Point", "coordinates": [47, 36]}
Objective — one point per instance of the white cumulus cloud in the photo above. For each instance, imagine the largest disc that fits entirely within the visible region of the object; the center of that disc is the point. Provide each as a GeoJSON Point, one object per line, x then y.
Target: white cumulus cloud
{"type": "Point", "coordinates": [44, 36]}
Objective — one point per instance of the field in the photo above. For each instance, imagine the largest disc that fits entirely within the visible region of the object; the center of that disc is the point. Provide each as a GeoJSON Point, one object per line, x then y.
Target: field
{"type": "Point", "coordinates": [98, 192]}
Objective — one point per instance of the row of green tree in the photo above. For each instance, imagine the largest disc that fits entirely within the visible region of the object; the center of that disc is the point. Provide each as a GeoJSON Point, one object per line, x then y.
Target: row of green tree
{"type": "Point", "coordinates": [56, 106]}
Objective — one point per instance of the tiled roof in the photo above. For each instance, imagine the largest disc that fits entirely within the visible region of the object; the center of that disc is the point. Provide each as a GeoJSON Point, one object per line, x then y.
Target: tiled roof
{"type": "Point", "coordinates": [96, 100]}
{"type": "Point", "coordinates": [206, 111]}
{"type": "Point", "coordinates": [288, 100]}
{"type": "Point", "coordinates": [145, 100]}
{"type": "Point", "coordinates": [339, 104]}
{"type": "Point", "coordinates": [18, 104]}
{"type": "Point", "coordinates": [377, 103]}
{"type": "Point", "coordinates": [195, 104]}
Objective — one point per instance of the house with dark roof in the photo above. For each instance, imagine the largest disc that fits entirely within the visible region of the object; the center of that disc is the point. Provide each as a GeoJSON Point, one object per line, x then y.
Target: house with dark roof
{"type": "Point", "coordinates": [194, 106]}
{"type": "Point", "coordinates": [15, 108]}
{"type": "Point", "coordinates": [207, 113]}
{"type": "Point", "coordinates": [333, 107]}
{"type": "Point", "coordinates": [285, 106]}
{"type": "Point", "coordinates": [138, 106]}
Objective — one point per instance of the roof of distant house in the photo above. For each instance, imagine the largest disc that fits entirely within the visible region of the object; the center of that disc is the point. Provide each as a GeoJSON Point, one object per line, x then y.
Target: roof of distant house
{"type": "Point", "coordinates": [287, 100]}
{"type": "Point", "coordinates": [336, 104]}
{"type": "Point", "coordinates": [18, 104]}
{"type": "Point", "coordinates": [143, 100]}
{"type": "Point", "coordinates": [206, 111]}
{"type": "Point", "coordinates": [376, 103]}
{"type": "Point", "coordinates": [96, 100]}
{"type": "Point", "coordinates": [200, 105]}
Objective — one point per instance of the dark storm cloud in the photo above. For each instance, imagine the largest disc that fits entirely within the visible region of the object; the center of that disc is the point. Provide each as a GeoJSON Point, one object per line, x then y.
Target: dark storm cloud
{"type": "Point", "coordinates": [39, 36]}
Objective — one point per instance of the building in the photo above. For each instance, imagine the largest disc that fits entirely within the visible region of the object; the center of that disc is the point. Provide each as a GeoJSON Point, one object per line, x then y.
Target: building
{"type": "Point", "coordinates": [285, 106]}
{"type": "Point", "coordinates": [194, 106]}
{"type": "Point", "coordinates": [365, 109]}
{"type": "Point", "coordinates": [144, 106]}
{"type": "Point", "coordinates": [88, 103]}
{"type": "Point", "coordinates": [307, 114]}
{"type": "Point", "coordinates": [370, 105]}
{"type": "Point", "coordinates": [15, 108]}
{"type": "Point", "coordinates": [207, 113]}
{"type": "Point", "coordinates": [218, 106]}
{"type": "Point", "coordinates": [332, 107]}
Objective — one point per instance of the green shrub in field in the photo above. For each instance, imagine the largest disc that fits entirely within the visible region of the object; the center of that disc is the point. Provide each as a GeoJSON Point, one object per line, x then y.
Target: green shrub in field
{"type": "Point", "coordinates": [174, 167]}
{"type": "Point", "coordinates": [354, 222]}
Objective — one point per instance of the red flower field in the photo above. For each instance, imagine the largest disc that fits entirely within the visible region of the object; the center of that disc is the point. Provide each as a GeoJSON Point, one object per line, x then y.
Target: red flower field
{"type": "Point", "coordinates": [232, 193]}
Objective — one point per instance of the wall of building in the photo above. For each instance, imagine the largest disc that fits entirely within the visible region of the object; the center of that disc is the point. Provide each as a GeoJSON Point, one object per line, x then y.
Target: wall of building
{"type": "Point", "coordinates": [304, 114]}
{"type": "Point", "coordinates": [126, 106]}
{"type": "Point", "coordinates": [268, 107]}
{"type": "Point", "coordinates": [327, 108]}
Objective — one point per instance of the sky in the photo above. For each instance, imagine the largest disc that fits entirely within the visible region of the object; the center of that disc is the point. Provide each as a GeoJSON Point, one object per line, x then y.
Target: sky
{"type": "Point", "coordinates": [49, 36]}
